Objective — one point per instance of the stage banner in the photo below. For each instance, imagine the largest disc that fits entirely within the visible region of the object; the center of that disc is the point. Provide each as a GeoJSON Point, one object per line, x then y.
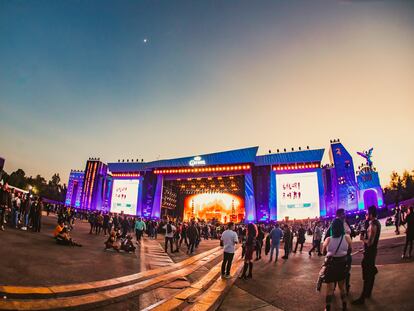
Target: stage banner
{"type": "Point", "coordinates": [249, 198]}
{"type": "Point", "coordinates": [261, 185]}
{"type": "Point", "coordinates": [156, 207]}
{"type": "Point", "coordinates": [272, 196]}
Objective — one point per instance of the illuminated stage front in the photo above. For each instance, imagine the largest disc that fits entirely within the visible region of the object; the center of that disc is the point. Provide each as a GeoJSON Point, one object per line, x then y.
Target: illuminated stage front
{"type": "Point", "coordinates": [220, 198]}
{"type": "Point", "coordinates": [223, 207]}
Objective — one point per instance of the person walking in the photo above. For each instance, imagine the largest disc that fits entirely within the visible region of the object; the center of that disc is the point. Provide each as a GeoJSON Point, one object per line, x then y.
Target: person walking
{"type": "Point", "coordinates": [169, 236]}
{"type": "Point", "coordinates": [300, 238]}
{"type": "Point", "coordinates": [275, 236]}
{"type": "Point", "coordinates": [340, 214]}
{"type": "Point", "coordinates": [317, 237]}
{"type": "Point", "coordinates": [336, 246]}
{"type": "Point", "coordinates": [409, 221]}
{"type": "Point", "coordinates": [370, 240]}
{"type": "Point", "coordinates": [251, 236]}
{"type": "Point", "coordinates": [229, 239]}
{"type": "Point", "coordinates": [140, 227]}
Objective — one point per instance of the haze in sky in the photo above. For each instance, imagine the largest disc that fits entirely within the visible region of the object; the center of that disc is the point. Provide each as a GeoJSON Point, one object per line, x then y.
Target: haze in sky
{"type": "Point", "coordinates": [163, 79]}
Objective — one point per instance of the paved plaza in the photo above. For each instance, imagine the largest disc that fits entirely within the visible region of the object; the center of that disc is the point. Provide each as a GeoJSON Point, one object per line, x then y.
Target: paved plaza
{"type": "Point", "coordinates": [33, 259]}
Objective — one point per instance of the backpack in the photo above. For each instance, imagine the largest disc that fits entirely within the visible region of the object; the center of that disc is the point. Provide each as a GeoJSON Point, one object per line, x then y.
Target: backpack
{"type": "Point", "coordinates": [169, 228]}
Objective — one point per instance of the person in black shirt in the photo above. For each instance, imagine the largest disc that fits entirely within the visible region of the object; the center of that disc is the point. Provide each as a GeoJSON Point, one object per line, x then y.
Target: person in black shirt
{"type": "Point", "coordinates": [300, 238]}
{"type": "Point", "coordinates": [409, 220]}
{"type": "Point", "coordinates": [287, 239]}
{"type": "Point", "coordinates": [259, 242]}
{"type": "Point", "coordinates": [370, 240]}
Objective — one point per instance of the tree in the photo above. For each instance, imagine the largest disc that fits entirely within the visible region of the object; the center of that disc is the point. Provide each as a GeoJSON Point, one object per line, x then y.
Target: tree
{"type": "Point", "coordinates": [18, 179]}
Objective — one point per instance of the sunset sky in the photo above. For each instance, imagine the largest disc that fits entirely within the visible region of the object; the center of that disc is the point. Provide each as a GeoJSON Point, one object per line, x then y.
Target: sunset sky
{"type": "Point", "coordinates": [163, 79]}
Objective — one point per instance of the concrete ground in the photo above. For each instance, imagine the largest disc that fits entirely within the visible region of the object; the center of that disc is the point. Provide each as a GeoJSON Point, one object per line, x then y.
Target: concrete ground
{"type": "Point", "coordinates": [290, 285]}
{"type": "Point", "coordinates": [34, 259]}
{"type": "Point", "coordinates": [29, 259]}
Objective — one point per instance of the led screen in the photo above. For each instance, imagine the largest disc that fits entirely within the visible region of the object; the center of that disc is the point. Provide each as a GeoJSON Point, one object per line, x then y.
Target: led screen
{"type": "Point", "coordinates": [224, 207]}
{"type": "Point", "coordinates": [125, 196]}
{"type": "Point", "coordinates": [297, 196]}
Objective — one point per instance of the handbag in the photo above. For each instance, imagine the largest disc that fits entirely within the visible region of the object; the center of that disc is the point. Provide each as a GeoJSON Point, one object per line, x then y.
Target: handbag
{"type": "Point", "coordinates": [328, 263]}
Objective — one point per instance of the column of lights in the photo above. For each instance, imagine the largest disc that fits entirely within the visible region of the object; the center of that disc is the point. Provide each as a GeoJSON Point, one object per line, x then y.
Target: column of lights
{"type": "Point", "coordinates": [126, 174]}
{"type": "Point", "coordinates": [204, 169]}
{"type": "Point", "coordinates": [296, 166]}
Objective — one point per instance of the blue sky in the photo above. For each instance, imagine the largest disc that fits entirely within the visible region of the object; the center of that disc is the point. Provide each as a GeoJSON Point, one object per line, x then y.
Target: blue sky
{"type": "Point", "coordinates": [78, 80]}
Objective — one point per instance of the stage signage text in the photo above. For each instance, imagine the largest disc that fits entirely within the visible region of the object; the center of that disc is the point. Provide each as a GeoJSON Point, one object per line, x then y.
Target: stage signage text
{"type": "Point", "coordinates": [197, 161]}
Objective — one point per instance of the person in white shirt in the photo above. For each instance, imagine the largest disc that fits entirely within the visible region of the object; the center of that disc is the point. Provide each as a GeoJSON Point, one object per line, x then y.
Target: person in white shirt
{"type": "Point", "coordinates": [229, 240]}
{"type": "Point", "coordinates": [169, 235]}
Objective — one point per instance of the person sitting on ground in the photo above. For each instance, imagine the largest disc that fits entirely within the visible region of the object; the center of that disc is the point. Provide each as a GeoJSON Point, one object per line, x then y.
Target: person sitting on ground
{"type": "Point", "coordinates": [127, 244]}
{"type": "Point", "coordinates": [111, 242]}
{"type": "Point", "coordinates": [60, 226]}
{"type": "Point", "coordinates": [63, 238]}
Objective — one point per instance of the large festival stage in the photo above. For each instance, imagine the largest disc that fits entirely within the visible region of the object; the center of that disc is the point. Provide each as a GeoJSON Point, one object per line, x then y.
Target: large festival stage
{"type": "Point", "coordinates": [236, 185]}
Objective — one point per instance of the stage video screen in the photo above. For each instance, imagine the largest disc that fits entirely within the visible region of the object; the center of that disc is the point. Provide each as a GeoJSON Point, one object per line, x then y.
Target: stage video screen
{"type": "Point", "coordinates": [223, 207]}
{"type": "Point", "coordinates": [125, 196]}
{"type": "Point", "coordinates": [297, 196]}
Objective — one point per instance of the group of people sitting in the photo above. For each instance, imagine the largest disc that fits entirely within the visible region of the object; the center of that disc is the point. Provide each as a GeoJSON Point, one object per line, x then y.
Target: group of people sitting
{"type": "Point", "coordinates": [118, 243]}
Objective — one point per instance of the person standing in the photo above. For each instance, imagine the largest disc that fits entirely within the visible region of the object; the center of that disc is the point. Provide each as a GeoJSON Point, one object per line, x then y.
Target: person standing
{"type": "Point", "coordinates": [397, 219]}
{"type": "Point", "coordinates": [229, 239]}
{"type": "Point", "coordinates": [192, 234]}
{"type": "Point", "coordinates": [275, 236]}
{"type": "Point", "coordinates": [125, 227]}
{"type": "Point", "coordinates": [300, 238]}
{"type": "Point", "coordinates": [183, 235]}
{"type": "Point", "coordinates": [336, 246]}
{"type": "Point", "coordinates": [317, 237]}
{"type": "Point", "coordinates": [409, 220]}
{"type": "Point", "coordinates": [91, 220]}
{"type": "Point", "coordinates": [4, 198]}
{"type": "Point", "coordinates": [140, 227]}
{"type": "Point", "coordinates": [99, 223]}
{"type": "Point", "coordinates": [251, 235]}
{"type": "Point", "coordinates": [26, 211]}
{"type": "Point", "coordinates": [106, 224]}
{"type": "Point", "coordinates": [259, 242]}
{"type": "Point", "coordinates": [169, 236]}
{"type": "Point", "coordinates": [37, 217]}
{"type": "Point", "coordinates": [370, 240]}
{"type": "Point", "coordinates": [340, 214]}
{"type": "Point", "coordinates": [287, 240]}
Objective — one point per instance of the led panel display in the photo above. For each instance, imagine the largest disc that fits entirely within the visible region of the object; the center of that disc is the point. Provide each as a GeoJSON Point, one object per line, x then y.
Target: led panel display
{"type": "Point", "coordinates": [125, 196]}
{"type": "Point", "coordinates": [297, 196]}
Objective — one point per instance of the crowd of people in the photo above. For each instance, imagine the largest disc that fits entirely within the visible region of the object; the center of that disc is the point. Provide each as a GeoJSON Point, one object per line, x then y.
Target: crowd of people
{"type": "Point", "coordinates": [20, 210]}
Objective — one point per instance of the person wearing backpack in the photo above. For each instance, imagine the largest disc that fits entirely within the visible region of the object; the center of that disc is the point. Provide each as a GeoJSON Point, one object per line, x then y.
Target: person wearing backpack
{"type": "Point", "coordinates": [169, 235]}
{"type": "Point", "coordinates": [336, 247]}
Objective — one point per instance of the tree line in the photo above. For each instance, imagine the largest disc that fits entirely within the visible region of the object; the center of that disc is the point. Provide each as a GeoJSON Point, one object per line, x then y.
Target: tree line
{"type": "Point", "coordinates": [400, 188]}
{"type": "Point", "coordinates": [51, 189]}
